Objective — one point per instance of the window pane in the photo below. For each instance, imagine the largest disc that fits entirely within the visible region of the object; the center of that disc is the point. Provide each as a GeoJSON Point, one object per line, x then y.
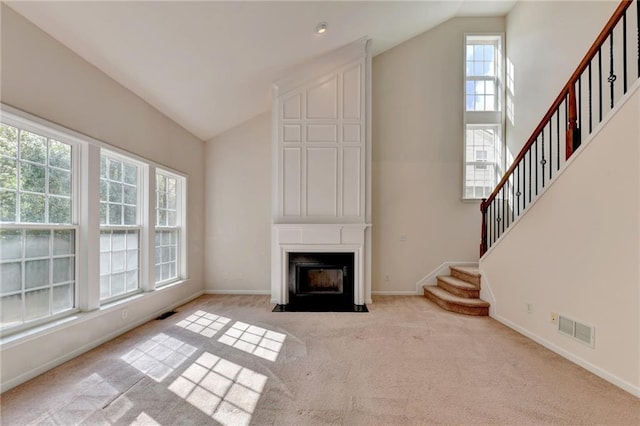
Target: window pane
{"type": "Point", "coordinates": [129, 215]}
{"type": "Point", "coordinates": [10, 244]}
{"type": "Point", "coordinates": [103, 213]}
{"type": "Point", "coordinates": [59, 155]}
{"type": "Point", "coordinates": [63, 242]}
{"type": "Point", "coordinates": [130, 174]}
{"type": "Point", "coordinates": [37, 243]}
{"type": "Point", "coordinates": [7, 206]}
{"type": "Point", "coordinates": [63, 298]}
{"type": "Point", "coordinates": [33, 147]}
{"type": "Point", "coordinates": [10, 310]}
{"type": "Point", "coordinates": [115, 214]}
{"type": "Point", "coordinates": [36, 273]}
{"type": "Point", "coordinates": [132, 280]}
{"type": "Point", "coordinates": [130, 195]}
{"type": "Point", "coordinates": [59, 182]}
{"type": "Point", "coordinates": [105, 286]}
{"type": "Point", "coordinates": [36, 304]}
{"type": "Point", "coordinates": [117, 261]}
{"type": "Point", "coordinates": [117, 284]}
{"type": "Point", "coordinates": [115, 170]}
{"type": "Point", "coordinates": [32, 208]}
{"type": "Point", "coordinates": [63, 270]}
{"type": "Point", "coordinates": [8, 173]}
{"type": "Point", "coordinates": [132, 260]}
{"type": "Point", "coordinates": [8, 141]}
{"type": "Point", "coordinates": [115, 192]}
{"type": "Point", "coordinates": [103, 167]}
{"type": "Point", "coordinates": [132, 240]}
{"type": "Point", "coordinates": [59, 210]}
{"type": "Point", "coordinates": [10, 277]}
{"type": "Point", "coordinates": [32, 177]}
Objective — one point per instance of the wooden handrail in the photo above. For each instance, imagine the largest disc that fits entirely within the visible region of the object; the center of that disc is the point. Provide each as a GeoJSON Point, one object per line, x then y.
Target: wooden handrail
{"type": "Point", "coordinates": [591, 53]}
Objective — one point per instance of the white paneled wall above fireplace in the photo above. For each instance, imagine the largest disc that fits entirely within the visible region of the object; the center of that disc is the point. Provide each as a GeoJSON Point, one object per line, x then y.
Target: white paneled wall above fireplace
{"type": "Point", "coordinates": [322, 161]}
{"type": "Point", "coordinates": [321, 145]}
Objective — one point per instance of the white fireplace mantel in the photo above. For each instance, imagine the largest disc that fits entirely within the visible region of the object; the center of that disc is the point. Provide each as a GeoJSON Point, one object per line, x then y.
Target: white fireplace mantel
{"type": "Point", "coordinates": [322, 165]}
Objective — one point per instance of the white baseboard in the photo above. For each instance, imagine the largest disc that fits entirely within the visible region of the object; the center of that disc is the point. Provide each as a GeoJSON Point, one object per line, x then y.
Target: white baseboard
{"type": "Point", "coordinates": [91, 345]}
{"type": "Point", "coordinates": [443, 269]}
{"type": "Point", "coordinates": [240, 292]}
{"type": "Point", "coordinates": [611, 378]}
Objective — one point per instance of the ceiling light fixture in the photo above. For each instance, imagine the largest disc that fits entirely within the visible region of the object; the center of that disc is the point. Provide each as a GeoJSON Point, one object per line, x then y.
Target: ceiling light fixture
{"type": "Point", "coordinates": [321, 28]}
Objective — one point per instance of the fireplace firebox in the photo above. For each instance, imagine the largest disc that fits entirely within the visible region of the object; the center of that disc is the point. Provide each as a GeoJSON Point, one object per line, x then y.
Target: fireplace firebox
{"type": "Point", "coordinates": [321, 281]}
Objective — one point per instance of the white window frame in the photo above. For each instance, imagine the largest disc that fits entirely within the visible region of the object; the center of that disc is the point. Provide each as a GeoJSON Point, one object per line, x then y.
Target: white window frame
{"type": "Point", "coordinates": [50, 132]}
{"type": "Point", "coordinates": [111, 228]}
{"type": "Point", "coordinates": [477, 119]}
{"type": "Point", "coordinates": [86, 153]}
{"type": "Point", "coordinates": [179, 225]}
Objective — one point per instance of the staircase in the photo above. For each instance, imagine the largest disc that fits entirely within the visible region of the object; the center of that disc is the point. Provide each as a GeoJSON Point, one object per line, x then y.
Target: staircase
{"type": "Point", "coordinates": [458, 292]}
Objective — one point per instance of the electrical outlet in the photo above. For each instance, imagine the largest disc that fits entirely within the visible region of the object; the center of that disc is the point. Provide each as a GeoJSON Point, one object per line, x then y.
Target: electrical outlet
{"type": "Point", "coordinates": [529, 308]}
{"type": "Point", "coordinates": [403, 237]}
{"type": "Point", "coordinates": [124, 314]}
{"type": "Point", "coordinates": [554, 317]}
{"type": "Point", "coordinates": [386, 277]}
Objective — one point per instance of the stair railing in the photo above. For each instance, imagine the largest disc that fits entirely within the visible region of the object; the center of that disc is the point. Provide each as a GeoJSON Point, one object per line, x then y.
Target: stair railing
{"type": "Point", "coordinates": [571, 117]}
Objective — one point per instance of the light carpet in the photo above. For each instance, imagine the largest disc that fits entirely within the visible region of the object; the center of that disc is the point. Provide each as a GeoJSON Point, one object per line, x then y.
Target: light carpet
{"type": "Point", "coordinates": [230, 360]}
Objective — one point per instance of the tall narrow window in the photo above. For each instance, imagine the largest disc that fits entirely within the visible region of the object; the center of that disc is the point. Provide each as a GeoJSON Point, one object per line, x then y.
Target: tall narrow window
{"type": "Point", "coordinates": [119, 227]}
{"type": "Point", "coordinates": [168, 219]}
{"type": "Point", "coordinates": [483, 116]}
{"type": "Point", "coordinates": [37, 239]}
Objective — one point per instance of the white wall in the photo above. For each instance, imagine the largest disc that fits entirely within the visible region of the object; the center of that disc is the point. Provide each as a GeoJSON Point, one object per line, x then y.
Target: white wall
{"type": "Point", "coordinates": [577, 251]}
{"type": "Point", "coordinates": [44, 78]}
{"type": "Point", "coordinates": [238, 208]}
{"type": "Point", "coordinates": [546, 40]}
{"type": "Point", "coordinates": [417, 157]}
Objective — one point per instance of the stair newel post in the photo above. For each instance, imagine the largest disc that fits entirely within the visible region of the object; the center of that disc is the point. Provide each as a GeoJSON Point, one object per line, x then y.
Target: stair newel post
{"type": "Point", "coordinates": [483, 241]}
{"type": "Point", "coordinates": [573, 131]}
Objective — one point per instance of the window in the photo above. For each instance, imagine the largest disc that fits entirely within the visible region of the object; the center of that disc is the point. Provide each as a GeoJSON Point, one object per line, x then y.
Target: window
{"type": "Point", "coordinates": [78, 222]}
{"type": "Point", "coordinates": [37, 239]}
{"type": "Point", "coordinates": [483, 117]}
{"type": "Point", "coordinates": [167, 235]}
{"type": "Point", "coordinates": [119, 230]}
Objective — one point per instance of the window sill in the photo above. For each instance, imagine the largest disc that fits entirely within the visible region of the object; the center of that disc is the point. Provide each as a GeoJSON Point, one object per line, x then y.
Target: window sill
{"type": "Point", "coordinates": [76, 317]}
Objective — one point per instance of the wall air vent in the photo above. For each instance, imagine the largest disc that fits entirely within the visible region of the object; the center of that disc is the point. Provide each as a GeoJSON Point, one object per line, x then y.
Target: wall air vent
{"type": "Point", "coordinates": [581, 332]}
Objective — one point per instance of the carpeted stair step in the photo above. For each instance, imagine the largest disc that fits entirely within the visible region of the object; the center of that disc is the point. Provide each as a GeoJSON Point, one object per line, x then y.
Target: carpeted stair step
{"type": "Point", "coordinates": [453, 303]}
{"type": "Point", "coordinates": [470, 274]}
{"type": "Point", "coordinates": [457, 287]}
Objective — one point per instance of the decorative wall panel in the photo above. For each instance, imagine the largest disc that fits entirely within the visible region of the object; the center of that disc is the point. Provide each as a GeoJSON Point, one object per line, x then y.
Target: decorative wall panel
{"type": "Point", "coordinates": [322, 173]}
{"type": "Point", "coordinates": [351, 172]}
{"type": "Point", "coordinates": [322, 99]}
{"type": "Point", "coordinates": [292, 173]}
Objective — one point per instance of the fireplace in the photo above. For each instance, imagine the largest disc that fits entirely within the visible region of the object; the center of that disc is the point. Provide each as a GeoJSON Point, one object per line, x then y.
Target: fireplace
{"type": "Point", "coordinates": [321, 212]}
{"type": "Point", "coordinates": [322, 281]}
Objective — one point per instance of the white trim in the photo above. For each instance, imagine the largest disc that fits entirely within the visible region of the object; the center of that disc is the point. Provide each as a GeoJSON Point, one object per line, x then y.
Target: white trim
{"type": "Point", "coordinates": [241, 292]}
{"type": "Point", "coordinates": [443, 269]}
{"type": "Point", "coordinates": [567, 164]}
{"type": "Point", "coordinates": [5, 386]}
{"type": "Point", "coordinates": [611, 378]}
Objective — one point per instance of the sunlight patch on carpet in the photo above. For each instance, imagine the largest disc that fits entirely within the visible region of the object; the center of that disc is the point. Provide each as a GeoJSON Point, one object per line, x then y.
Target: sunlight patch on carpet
{"type": "Point", "coordinates": [204, 323]}
{"type": "Point", "coordinates": [221, 389]}
{"type": "Point", "coordinates": [257, 341]}
{"type": "Point", "coordinates": [159, 356]}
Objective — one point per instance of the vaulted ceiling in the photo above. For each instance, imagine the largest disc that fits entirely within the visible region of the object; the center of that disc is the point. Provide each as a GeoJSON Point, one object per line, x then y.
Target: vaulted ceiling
{"type": "Point", "coordinates": [209, 65]}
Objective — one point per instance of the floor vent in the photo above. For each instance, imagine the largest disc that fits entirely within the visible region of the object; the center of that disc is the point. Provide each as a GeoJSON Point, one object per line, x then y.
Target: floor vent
{"type": "Point", "coordinates": [581, 332]}
{"type": "Point", "coordinates": [166, 315]}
